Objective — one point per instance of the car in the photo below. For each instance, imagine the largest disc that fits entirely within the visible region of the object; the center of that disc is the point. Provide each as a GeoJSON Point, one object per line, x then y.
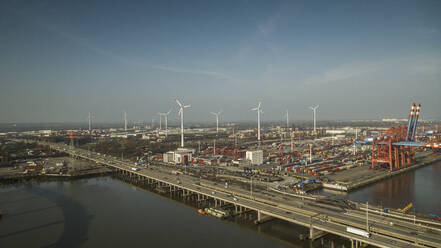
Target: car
{"type": "Point", "coordinates": [212, 192]}
{"type": "Point", "coordinates": [235, 199]}
{"type": "Point", "coordinates": [229, 195]}
{"type": "Point", "coordinates": [287, 212]}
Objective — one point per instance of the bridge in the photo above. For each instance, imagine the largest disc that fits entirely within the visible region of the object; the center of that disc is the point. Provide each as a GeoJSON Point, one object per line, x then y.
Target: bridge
{"type": "Point", "coordinates": [321, 215]}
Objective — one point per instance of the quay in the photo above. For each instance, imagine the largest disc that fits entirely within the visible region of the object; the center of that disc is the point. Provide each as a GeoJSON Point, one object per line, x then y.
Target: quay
{"type": "Point", "coordinates": [363, 182]}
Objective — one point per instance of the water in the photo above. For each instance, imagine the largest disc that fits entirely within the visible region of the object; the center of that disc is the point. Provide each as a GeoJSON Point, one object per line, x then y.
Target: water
{"type": "Point", "coordinates": [422, 187]}
{"type": "Point", "coordinates": [104, 212]}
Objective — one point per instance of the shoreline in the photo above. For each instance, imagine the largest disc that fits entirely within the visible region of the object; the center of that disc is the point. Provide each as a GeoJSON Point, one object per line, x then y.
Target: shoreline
{"type": "Point", "coordinates": [429, 160]}
{"type": "Point", "coordinates": [22, 178]}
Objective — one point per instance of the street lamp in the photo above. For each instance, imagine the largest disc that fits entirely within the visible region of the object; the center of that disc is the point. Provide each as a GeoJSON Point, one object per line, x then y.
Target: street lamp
{"type": "Point", "coordinates": [367, 216]}
{"type": "Point", "coordinates": [251, 186]}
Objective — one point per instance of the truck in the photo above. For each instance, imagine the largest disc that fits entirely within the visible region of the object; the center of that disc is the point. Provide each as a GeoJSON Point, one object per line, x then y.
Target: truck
{"type": "Point", "coordinates": [357, 231]}
{"type": "Point", "coordinates": [135, 169]}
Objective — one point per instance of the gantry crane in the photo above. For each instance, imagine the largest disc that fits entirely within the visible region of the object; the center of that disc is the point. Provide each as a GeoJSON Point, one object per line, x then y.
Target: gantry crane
{"type": "Point", "coordinates": [396, 147]}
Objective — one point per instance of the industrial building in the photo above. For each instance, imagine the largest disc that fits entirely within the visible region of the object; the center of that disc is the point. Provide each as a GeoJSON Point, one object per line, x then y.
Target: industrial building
{"type": "Point", "coordinates": [256, 157]}
{"type": "Point", "coordinates": [179, 156]}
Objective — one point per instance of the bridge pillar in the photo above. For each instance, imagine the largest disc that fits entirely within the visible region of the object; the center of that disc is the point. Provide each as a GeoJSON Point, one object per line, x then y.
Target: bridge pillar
{"type": "Point", "coordinates": [315, 234]}
{"type": "Point", "coordinates": [259, 216]}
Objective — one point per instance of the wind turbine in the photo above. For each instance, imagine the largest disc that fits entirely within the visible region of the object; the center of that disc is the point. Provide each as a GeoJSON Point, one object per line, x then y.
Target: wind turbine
{"type": "Point", "coordinates": [165, 115]}
{"type": "Point", "coordinates": [90, 122]}
{"type": "Point", "coordinates": [287, 119]}
{"type": "Point", "coordinates": [125, 121]}
{"type": "Point", "coordinates": [217, 119]}
{"type": "Point", "coordinates": [181, 113]}
{"type": "Point", "coordinates": [314, 110]}
{"type": "Point", "coordinates": [258, 109]}
{"type": "Point", "coordinates": [160, 121]}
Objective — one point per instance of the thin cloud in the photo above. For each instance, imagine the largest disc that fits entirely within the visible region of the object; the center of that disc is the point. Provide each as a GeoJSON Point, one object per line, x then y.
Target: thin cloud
{"type": "Point", "coordinates": [421, 65]}
{"type": "Point", "coordinates": [197, 72]}
{"type": "Point", "coordinates": [343, 72]}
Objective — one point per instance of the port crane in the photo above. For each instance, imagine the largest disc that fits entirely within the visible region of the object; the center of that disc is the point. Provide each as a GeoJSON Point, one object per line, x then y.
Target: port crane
{"type": "Point", "coordinates": [395, 148]}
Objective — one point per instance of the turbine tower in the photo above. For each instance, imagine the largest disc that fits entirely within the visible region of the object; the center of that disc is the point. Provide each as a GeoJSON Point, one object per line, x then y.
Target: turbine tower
{"type": "Point", "coordinates": [258, 109]}
{"type": "Point", "coordinates": [165, 115]}
{"type": "Point", "coordinates": [160, 121]}
{"type": "Point", "coordinates": [125, 121]}
{"type": "Point", "coordinates": [90, 122]}
{"type": "Point", "coordinates": [217, 119]}
{"type": "Point", "coordinates": [287, 119]}
{"type": "Point", "coordinates": [314, 110]}
{"type": "Point", "coordinates": [181, 113]}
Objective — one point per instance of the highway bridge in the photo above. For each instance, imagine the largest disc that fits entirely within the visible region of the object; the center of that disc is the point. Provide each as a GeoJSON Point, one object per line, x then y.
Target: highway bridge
{"type": "Point", "coordinates": [321, 215]}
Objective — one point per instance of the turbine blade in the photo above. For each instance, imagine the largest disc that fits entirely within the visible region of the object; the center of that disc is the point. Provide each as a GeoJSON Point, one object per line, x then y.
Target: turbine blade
{"type": "Point", "coordinates": [178, 102]}
{"type": "Point", "coordinates": [187, 106]}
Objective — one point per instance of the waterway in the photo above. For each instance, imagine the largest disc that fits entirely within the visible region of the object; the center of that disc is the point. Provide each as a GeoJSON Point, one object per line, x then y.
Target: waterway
{"type": "Point", "coordinates": [106, 212]}
{"type": "Point", "coordinates": [422, 187]}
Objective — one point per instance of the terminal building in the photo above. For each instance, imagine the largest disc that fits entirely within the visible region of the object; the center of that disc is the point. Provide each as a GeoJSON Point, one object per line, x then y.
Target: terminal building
{"type": "Point", "coordinates": [256, 157]}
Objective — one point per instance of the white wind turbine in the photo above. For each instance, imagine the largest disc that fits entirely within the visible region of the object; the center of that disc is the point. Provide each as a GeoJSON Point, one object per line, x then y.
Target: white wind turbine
{"type": "Point", "coordinates": [181, 113]}
{"type": "Point", "coordinates": [217, 119]}
{"type": "Point", "coordinates": [314, 110]}
{"type": "Point", "coordinates": [258, 109]}
{"type": "Point", "coordinates": [160, 121]}
{"type": "Point", "coordinates": [125, 121]}
{"type": "Point", "coordinates": [287, 119]}
{"type": "Point", "coordinates": [165, 115]}
{"type": "Point", "coordinates": [90, 117]}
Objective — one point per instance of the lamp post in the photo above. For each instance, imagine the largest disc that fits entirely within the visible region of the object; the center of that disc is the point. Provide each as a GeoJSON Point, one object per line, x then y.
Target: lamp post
{"type": "Point", "coordinates": [367, 216]}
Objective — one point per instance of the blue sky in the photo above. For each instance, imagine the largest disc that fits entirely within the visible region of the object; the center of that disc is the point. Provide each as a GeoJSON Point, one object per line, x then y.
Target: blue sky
{"type": "Point", "coordinates": [357, 59]}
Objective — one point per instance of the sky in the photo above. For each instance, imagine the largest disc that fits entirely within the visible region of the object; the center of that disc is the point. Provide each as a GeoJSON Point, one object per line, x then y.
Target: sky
{"type": "Point", "coordinates": [61, 59]}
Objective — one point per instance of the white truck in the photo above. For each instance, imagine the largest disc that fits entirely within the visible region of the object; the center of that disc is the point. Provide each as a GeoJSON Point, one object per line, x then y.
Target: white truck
{"type": "Point", "coordinates": [357, 231]}
{"type": "Point", "coordinates": [135, 169]}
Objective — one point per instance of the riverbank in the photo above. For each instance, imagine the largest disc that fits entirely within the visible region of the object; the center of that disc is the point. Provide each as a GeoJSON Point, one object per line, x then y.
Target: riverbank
{"type": "Point", "coordinates": [21, 178]}
{"type": "Point", "coordinates": [346, 187]}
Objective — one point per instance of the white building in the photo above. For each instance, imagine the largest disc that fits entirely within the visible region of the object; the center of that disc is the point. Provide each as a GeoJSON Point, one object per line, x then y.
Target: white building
{"type": "Point", "coordinates": [45, 132]}
{"type": "Point", "coordinates": [168, 157]}
{"type": "Point", "coordinates": [256, 157]}
{"type": "Point", "coordinates": [180, 156]}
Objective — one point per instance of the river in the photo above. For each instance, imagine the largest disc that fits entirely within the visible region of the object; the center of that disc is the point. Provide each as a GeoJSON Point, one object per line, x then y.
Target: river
{"type": "Point", "coordinates": [106, 212]}
{"type": "Point", "coordinates": [422, 187]}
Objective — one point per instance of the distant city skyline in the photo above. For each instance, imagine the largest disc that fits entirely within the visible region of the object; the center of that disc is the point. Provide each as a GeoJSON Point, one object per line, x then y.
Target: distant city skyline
{"type": "Point", "coordinates": [357, 60]}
